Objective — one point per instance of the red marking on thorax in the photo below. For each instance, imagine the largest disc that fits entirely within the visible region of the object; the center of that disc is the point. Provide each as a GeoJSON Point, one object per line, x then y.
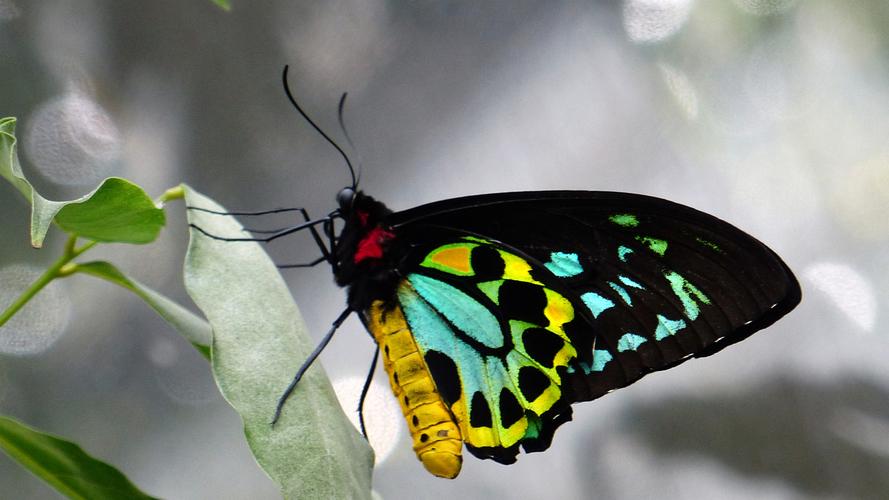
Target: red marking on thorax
{"type": "Point", "coordinates": [371, 246]}
{"type": "Point", "coordinates": [362, 216]}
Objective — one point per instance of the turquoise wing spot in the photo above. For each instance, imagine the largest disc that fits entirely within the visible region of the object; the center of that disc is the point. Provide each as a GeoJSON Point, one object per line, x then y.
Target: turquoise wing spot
{"type": "Point", "coordinates": [622, 292]}
{"type": "Point", "coordinates": [432, 333]}
{"type": "Point", "coordinates": [467, 314]}
{"type": "Point", "coordinates": [564, 265]}
{"type": "Point", "coordinates": [600, 359]}
{"type": "Point", "coordinates": [622, 252]}
{"type": "Point", "coordinates": [629, 282]}
{"type": "Point", "coordinates": [687, 293]}
{"type": "Point", "coordinates": [667, 327]}
{"type": "Point", "coordinates": [630, 342]}
{"type": "Point", "coordinates": [624, 220]}
{"type": "Point", "coordinates": [655, 245]}
{"type": "Point", "coordinates": [596, 303]}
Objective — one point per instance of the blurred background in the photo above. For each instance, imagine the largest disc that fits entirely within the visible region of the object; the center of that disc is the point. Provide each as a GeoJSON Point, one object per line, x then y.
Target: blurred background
{"type": "Point", "coordinates": [771, 114]}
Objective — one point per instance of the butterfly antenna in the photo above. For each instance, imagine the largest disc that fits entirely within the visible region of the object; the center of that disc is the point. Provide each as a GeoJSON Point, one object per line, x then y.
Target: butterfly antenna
{"type": "Point", "coordinates": [318, 129]}
{"type": "Point", "coordinates": [339, 116]}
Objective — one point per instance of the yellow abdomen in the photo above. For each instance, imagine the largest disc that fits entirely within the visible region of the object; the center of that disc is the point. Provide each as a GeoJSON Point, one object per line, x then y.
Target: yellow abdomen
{"type": "Point", "coordinates": [437, 440]}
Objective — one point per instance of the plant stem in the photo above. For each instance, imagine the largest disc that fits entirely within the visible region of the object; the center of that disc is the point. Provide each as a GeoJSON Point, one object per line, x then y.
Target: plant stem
{"type": "Point", "coordinates": [174, 193]}
{"type": "Point", "coordinates": [53, 272]}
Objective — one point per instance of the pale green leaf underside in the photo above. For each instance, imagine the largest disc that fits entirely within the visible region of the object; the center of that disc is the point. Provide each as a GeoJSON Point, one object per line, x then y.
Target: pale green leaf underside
{"type": "Point", "coordinates": [64, 465]}
{"type": "Point", "coordinates": [116, 211]}
{"type": "Point", "coordinates": [259, 341]}
{"type": "Point", "coordinates": [193, 328]}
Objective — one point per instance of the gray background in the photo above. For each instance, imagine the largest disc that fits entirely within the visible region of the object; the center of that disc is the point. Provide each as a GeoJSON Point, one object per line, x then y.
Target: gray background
{"type": "Point", "coordinates": [771, 114]}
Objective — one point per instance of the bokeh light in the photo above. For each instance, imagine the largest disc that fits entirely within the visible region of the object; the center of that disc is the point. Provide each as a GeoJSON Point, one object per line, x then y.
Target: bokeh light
{"type": "Point", "coordinates": [37, 326]}
{"type": "Point", "coordinates": [765, 7]}
{"type": "Point", "coordinates": [681, 88]}
{"type": "Point", "coordinates": [71, 140]}
{"type": "Point", "coordinates": [861, 197]}
{"type": "Point", "coordinates": [382, 415]}
{"type": "Point", "coordinates": [648, 21]}
{"type": "Point", "coordinates": [772, 81]}
{"type": "Point", "coordinates": [847, 289]}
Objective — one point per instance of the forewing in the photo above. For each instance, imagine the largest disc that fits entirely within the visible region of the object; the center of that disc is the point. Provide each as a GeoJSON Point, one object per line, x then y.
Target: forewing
{"type": "Point", "coordinates": [652, 282]}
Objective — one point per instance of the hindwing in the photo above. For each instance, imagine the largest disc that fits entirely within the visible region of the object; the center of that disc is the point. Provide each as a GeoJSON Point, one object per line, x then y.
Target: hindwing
{"type": "Point", "coordinates": [497, 342]}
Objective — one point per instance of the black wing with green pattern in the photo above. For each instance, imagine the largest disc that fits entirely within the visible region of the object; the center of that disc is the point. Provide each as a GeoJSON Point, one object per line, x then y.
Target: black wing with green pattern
{"type": "Point", "coordinates": [654, 282]}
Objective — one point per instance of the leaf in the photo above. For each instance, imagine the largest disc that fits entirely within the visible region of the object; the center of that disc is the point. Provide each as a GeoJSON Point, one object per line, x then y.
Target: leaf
{"type": "Point", "coordinates": [64, 465]}
{"type": "Point", "coordinates": [259, 342]}
{"type": "Point", "coordinates": [224, 4]}
{"type": "Point", "coordinates": [193, 328]}
{"type": "Point", "coordinates": [116, 211]}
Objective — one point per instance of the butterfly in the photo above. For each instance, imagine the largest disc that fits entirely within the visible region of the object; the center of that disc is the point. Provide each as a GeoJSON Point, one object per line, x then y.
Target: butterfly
{"type": "Point", "coordinates": [495, 313]}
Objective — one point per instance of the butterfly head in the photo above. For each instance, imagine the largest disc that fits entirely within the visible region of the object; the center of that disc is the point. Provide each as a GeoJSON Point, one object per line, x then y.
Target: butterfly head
{"type": "Point", "coordinates": [365, 250]}
{"type": "Point", "coordinates": [345, 199]}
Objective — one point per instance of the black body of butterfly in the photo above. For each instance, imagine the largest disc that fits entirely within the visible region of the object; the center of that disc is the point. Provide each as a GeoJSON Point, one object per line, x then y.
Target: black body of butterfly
{"type": "Point", "coordinates": [495, 313]}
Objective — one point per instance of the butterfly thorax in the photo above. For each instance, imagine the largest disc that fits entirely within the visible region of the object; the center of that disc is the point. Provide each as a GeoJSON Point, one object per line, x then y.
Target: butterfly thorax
{"type": "Point", "coordinates": [368, 252]}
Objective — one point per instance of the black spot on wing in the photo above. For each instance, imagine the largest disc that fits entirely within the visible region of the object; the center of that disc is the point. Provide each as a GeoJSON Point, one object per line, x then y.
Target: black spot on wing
{"type": "Point", "coordinates": [444, 373]}
{"type": "Point", "coordinates": [532, 382]}
{"type": "Point", "coordinates": [480, 412]}
{"type": "Point", "coordinates": [542, 345]}
{"type": "Point", "coordinates": [510, 409]}
{"type": "Point", "coordinates": [486, 263]}
{"type": "Point", "coordinates": [523, 301]}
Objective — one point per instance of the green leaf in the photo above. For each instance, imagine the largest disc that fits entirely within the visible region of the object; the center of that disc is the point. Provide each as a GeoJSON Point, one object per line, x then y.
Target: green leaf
{"type": "Point", "coordinates": [193, 328]}
{"type": "Point", "coordinates": [64, 465]}
{"type": "Point", "coordinates": [225, 4]}
{"type": "Point", "coordinates": [116, 211]}
{"type": "Point", "coordinates": [259, 341]}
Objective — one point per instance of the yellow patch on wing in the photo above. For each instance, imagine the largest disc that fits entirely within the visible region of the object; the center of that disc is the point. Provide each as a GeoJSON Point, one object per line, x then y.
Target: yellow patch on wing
{"type": "Point", "coordinates": [558, 311]}
{"type": "Point", "coordinates": [516, 268]}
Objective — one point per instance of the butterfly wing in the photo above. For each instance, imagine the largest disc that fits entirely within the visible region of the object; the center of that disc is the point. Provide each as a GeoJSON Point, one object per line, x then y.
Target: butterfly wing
{"type": "Point", "coordinates": [523, 303]}
{"type": "Point", "coordinates": [497, 342]}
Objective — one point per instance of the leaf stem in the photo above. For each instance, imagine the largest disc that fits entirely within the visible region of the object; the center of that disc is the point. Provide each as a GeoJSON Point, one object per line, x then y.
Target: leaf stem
{"type": "Point", "coordinates": [174, 193]}
{"type": "Point", "coordinates": [54, 271]}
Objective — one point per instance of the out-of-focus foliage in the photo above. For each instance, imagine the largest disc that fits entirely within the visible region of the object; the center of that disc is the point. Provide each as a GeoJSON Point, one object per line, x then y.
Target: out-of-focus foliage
{"type": "Point", "coordinates": [64, 465]}
{"type": "Point", "coordinates": [224, 4]}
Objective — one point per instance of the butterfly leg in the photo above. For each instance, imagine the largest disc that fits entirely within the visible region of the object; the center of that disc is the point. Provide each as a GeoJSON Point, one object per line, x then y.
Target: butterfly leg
{"type": "Point", "coordinates": [261, 212]}
{"type": "Point", "coordinates": [306, 264]}
{"type": "Point", "coordinates": [367, 381]}
{"type": "Point", "coordinates": [273, 236]}
{"type": "Point", "coordinates": [275, 233]}
{"type": "Point", "coordinates": [308, 362]}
